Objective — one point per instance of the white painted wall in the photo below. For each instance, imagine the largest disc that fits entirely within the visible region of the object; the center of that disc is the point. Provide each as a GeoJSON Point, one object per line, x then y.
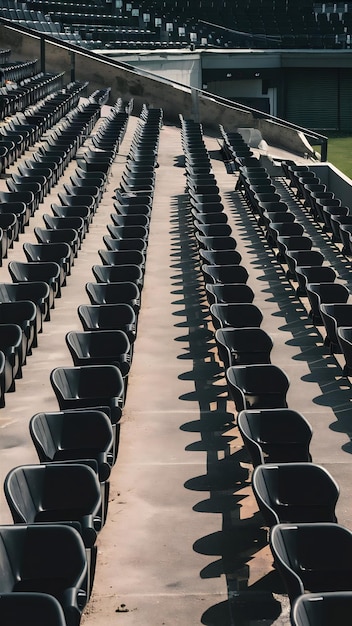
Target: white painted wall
{"type": "Point", "coordinates": [182, 68]}
{"type": "Point", "coordinates": [185, 68]}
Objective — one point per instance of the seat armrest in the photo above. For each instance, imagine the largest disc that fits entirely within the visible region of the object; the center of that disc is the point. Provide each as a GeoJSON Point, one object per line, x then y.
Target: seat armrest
{"type": "Point", "coordinates": [74, 600]}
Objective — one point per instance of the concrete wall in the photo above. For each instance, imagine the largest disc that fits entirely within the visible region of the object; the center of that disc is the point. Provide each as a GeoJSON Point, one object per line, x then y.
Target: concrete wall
{"type": "Point", "coordinates": [182, 67]}
{"type": "Point", "coordinates": [144, 88]}
{"type": "Point", "coordinates": [336, 182]}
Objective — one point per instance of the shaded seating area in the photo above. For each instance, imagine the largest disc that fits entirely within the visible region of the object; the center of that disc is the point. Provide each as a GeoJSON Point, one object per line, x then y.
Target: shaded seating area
{"type": "Point", "coordinates": [264, 25]}
{"type": "Point", "coordinates": [77, 445]}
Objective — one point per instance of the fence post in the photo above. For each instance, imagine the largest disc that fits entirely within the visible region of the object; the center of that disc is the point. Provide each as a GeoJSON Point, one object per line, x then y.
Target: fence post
{"type": "Point", "coordinates": [42, 54]}
{"type": "Point", "coordinates": [195, 105]}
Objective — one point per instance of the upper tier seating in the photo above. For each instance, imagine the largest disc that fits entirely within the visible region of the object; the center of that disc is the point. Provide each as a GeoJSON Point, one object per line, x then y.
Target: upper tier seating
{"type": "Point", "coordinates": [253, 24]}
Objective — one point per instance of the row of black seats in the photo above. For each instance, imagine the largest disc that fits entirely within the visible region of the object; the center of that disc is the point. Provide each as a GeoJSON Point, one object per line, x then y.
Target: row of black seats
{"type": "Point", "coordinates": [296, 497]}
{"type": "Point", "coordinates": [15, 97]}
{"type": "Point", "coordinates": [306, 264]}
{"type": "Point", "coordinates": [59, 506]}
{"type": "Point", "coordinates": [17, 70]}
{"type": "Point", "coordinates": [26, 302]}
{"type": "Point", "coordinates": [5, 55]}
{"type": "Point", "coordinates": [256, 386]}
{"type": "Point", "coordinates": [269, 497]}
{"type": "Point", "coordinates": [324, 207]}
{"type": "Point", "coordinates": [330, 303]}
{"type": "Point", "coordinates": [91, 397]}
{"type": "Point", "coordinates": [25, 128]}
{"type": "Point", "coordinates": [102, 353]}
{"type": "Point", "coordinates": [234, 147]}
{"type": "Point", "coordinates": [278, 30]}
{"type": "Point", "coordinates": [19, 320]}
{"type": "Point", "coordinates": [226, 282]}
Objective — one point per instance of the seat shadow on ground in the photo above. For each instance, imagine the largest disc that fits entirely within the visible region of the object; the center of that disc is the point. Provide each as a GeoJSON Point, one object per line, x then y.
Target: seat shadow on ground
{"type": "Point", "coordinates": [226, 480]}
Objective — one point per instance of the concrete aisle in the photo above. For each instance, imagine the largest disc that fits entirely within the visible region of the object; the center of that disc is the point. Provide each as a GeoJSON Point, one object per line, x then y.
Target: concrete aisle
{"type": "Point", "coordinates": [156, 551]}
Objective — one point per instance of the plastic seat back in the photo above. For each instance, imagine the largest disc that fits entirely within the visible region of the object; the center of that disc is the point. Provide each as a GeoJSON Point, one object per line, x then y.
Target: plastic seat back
{"type": "Point", "coordinates": [213, 230]}
{"type": "Point", "coordinates": [220, 257]}
{"type": "Point", "coordinates": [125, 244]}
{"type": "Point", "coordinates": [209, 218]}
{"type": "Point", "coordinates": [330, 211]}
{"type": "Point", "coordinates": [18, 209]}
{"type": "Point", "coordinates": [73, 436]}
{"type": "Point", "coordinates": [38, 271]}
{"type": "Point", "coordinates": [335, 315]}
{"type": "Point", "coordinates": [128, 232]}
{"type": "Point", "coordinates": [11, 347]}
{"type": "Point", "coordinates": [80, 210]}
{"type": "Point", "coordinates": [132, 209]}
{"type": "Point", "coordinates": [100, 347]}
{"type": "Point", "coordinates": [137, 219]}
{"type": "Point", "coordinates": [257, 386]}
{"type": "Point", "coordinates": [53, 235]}
{"type": "Point", "coordinates": [242, 346]}
{"type": "Point", "coordinates": [23, 314]}
{"type": "Point", "coordinates": [91, 386]}
{"type": "Point", "coordinates": [284, 229]}
{"type": "Point", "coordinates": [114, 293]}
{"type": "Point", "coordinates": [319, 293]}
{"type": "Point", "coordinates": [229, 293]}
{"type": "Point", "coordinates": [122, 257]}
{"type": "Point", "coordinates": [312, 557]}
{"type": "Point", "coordinates": [295, 492]}
{"type": "Point", "coordinates": [76, 222]}
{"type": "Point", "coordinates": [109, 317]}
{"type": "Point", "coordinates": [10, 226]}
{"type": "Point", "coordinates": [209, 207]}
{"type": "Point", "coordinates": [50, 558]}
{"type": "Point", "coordinates": [292, 242]}
{"type": "Point", "coordinates": [216, 243]}
{"type": "Point", "coordinates": [43, 609]}
{"type": "Point", "coordinates": [60, 253]}
{"type": "Point", "coordinates": [55, 492]}
{"type": "Point", "coordinates": [118, 273]}
{"type": "Point", "coordinates": [238, 315]}
{"type": "Point", "coordinates": [322, 609]}
{"type": "Point", "coordinates": [344, 336]}
{"type": "Point", "coordinates": [297, 258]}
{"type": "Point", "coordinates": [275, 217]}
{"type": "Point", "coordinates": [336, 222]}
{"type": "Point", "coordinates": [224, 273]}
{"type": "Point", "coordinates": [275, 435]}
{"type": "Point", "coordinates": [37, 292]}
{"type": "Point", "coordinates": [313, 274]}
